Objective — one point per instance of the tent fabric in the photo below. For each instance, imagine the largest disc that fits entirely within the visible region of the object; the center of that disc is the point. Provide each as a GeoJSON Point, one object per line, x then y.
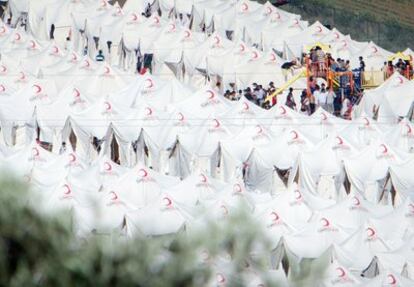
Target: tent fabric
{"type": "Point", "coordinates": [162, 151]}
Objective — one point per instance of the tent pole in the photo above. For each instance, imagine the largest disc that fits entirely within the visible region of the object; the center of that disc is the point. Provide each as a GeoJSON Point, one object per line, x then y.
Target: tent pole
{"type": "Point", "coordinates": [384, 187]}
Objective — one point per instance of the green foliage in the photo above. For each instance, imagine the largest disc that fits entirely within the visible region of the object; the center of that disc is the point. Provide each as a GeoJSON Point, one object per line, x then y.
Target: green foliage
{"type": "Point", "coordinates": [36, 250]}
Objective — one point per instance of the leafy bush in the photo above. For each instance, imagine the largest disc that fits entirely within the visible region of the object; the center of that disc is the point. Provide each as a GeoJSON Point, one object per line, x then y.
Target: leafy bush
{"type": "Point", "coordinates": [36, 250]}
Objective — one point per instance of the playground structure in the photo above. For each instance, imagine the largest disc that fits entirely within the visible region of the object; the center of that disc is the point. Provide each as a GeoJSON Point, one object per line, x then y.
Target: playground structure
{"type": "Point", "coordinates": [347, 82]}
{"type": "Point", "coordinates": [335, 80]}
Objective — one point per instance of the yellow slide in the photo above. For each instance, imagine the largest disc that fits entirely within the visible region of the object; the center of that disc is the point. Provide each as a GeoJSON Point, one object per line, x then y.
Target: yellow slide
{"type": "Point", "coordinates": [286, 85]}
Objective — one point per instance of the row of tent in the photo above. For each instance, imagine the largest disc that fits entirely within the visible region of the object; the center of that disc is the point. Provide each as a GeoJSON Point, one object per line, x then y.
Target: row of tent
{"type": "Point", "coordinates": [176, 130]}
{"type": "Point", "coordinates": [350, 234]}
{"type": "Point", "coordinates": [138, 155]}
{"type": "Point", "coordinates": [73, 100]}
{"type": "Point", "coordinates": [258, 33]}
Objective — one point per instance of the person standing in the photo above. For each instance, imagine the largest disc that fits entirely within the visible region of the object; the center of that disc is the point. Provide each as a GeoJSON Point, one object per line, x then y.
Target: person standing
{"type": "Point", "coordinates": [312, 104]}
{"type": "Point", "coordinates": [337, 104]}
{"type": "Point", "coordinates": [361, 64]}
{"type": "Point", "coordinates": [100, 57]}
{"type": "Point", "coordinates": [320, 56]}
{"type": "Point", "coordinates": [346, 108]}
{"type": "Point", "coordinates": [330, 100]}
{"type": "Point", "coordinates": [390, 69]}
{"type": "Point", "coordinates": [290, 101]}
{"type": "Point", "coordinates": [304, 103]}
{"type": "Point", "coordinates": [322, 99]}
{"type": "Point", "coordinates": [52, 32]}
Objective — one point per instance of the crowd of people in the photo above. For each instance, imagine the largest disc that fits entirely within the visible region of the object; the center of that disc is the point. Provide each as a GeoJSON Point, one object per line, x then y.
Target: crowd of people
{"type": "Point", "coordinates": [335, 102]}
{"type": "Point", "coordinates": [338, 101]}
{"type": "Point", "coordinates": [404, 67]}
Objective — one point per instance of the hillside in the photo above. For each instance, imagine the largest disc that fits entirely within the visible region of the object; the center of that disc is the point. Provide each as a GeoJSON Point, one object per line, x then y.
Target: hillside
{"type": "Point", "coordinates": [386, 22]}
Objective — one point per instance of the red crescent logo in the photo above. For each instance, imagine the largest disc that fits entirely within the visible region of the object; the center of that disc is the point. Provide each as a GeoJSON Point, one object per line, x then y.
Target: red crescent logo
{"type": "Point", "coordinates": [203, 178]}
{"type": "Point", "coordinates": [269, 10]}
{"type": "Point", "coordinates": [341, 272]}
{"type": "Point", "coordinates": [274, 216]}
{"type": "Point", "coordinates": [319, 29]}
{"type": "Point", "coordinates": [340, 140]}
{"type": "Point", "coordinates": [114, 196]}
{"type": "Point", "coordinates": [22, 76]}
{"type": "Point", "coordinates": [246, 106]}
{"type": "Point", "coordinates": [33, 44]}
{"type": "Point", "coordinates": [134, 17]}
{"type": "Point", "coordinates": [259, 129]}
{"type": "Point", "coordinates": [55, 50]}
{"type": "Point", "coordinates": [295, 135]}
{"type": "Point", "coordinates": [409, 130]}
{"type": "Point", "coordinates": [2, 88]}
{"type": "Point", "coordinates": [217, 123]}
{"type": "Point", "coordinates": [220, 278]}
{"type": "Point", "coordinates": [72, 157]}
{"type": "Point", "coordinates": [242, 48]}
{"type": "Point", "coordinates": [107, 166]}
{"type": "Point", "coordinates": [74, 57]}
{"type": "Point", "coordinates": [35, 151]}
{"type": "Point", "coordinates": [148, 111]}
{"type": "Point", "coordinates": [76, 93]}
{"type": "Point", "coordinates": [356, 201]}
{"type": "Point", "coordinates": [336, 35]}
{"type": "Point", "coordinates": [17, 36]}
{"type": "Point", "coordinates": [325, 222]}
{"type": "Point", "coordinates": [298, 194]}
{"type": "Point", "coordinates": [150, 83]}
{"type": "Point", "coordinates": [245, 7]}
{"type": "Point", "coordinates": [255, 55]}
{"type": "Point", "coordinates": [3, 30]}
{"type": "Point", "coordinates": [187, 34]}
{"type": "Point", "coordinates": [103, 3]}
{"type": "Point", "coordinates": [211, 94]}
{"type": "Point", "coordinates": [217, 40]}
{"type": "Point", "coordinates": [401, 80]}
{"type": "Point", "coordinates": [167, 202]}
{"type": "Point", "coordinates": [157, 20]}
{"type": "Point", "coordinates": [366, 121]}
{"type": "Point", "coordinates": [180, 117]}
{"type": "Point", "coordinates": [67, 189]}
{"type": "Point", "coordinates": [108, 106]}
{"type": "Point", "coordinates": [3, 69]}
{"type": "Point", "coordinates": [370, 232]}
{"type": "Point", "coordinates": [237, 188]}
{"type": "Point", "coordinates": [87, 64]}
{"type": "Point", "coordinates": [374, 49]}
{"type": "Point", "coordinates": [278, 17]}
{"type": "Point", "coordinates": [283, 110]}
{"type": "Point", "coordinates": [391, 279]}
{"type": "Point", "coordinates": [172, 25]}
{"type": "Point", "coordinates": [142, 172]}
{"type": "Point", "coordinates": [384, 148]}
{"type": "Point", "coordinates": [272, 57]}
{"type": "Point", "coordinates": [107, 70]}
{"type": "Point", "coordinates": [324, 116]}
{"type": "Point", "coordinates": [296, 22]}
{"type": "Point", "coordinates": [37, 89]}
